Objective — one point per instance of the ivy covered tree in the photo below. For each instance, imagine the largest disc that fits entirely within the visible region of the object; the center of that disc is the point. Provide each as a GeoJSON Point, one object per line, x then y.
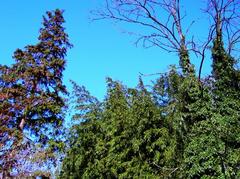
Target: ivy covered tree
{"type": "Point", "coordinates": [32, 94]}
{"type": "Point", "coordinates": [214, 147]}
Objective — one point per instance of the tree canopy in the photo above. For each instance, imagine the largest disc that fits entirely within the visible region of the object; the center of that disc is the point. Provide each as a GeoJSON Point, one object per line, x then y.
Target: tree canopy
{"type": "Point", "coordinates": [182, 125]}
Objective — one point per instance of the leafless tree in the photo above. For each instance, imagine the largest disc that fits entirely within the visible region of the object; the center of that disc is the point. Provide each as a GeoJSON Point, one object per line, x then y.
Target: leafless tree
{"type": "Point", "coordinates": [163, 22]}
{"type": "Point", "coordinates": [225, 15]}
{"type": "Point", "coordinates": [225, 26]}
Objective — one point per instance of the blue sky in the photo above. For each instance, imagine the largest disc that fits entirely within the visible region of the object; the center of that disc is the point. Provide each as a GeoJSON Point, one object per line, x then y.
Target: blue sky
{"type": "Point", "coordinates": [100, 48]}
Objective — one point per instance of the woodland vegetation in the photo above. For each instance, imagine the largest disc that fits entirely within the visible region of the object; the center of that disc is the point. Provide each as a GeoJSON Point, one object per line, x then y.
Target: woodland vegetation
{"type": "Point", "coordinates": [182, 126]}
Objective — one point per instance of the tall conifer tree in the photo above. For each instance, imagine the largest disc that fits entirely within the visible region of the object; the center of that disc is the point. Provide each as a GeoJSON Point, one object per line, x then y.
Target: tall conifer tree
{"type": "Point", "coordinates": [31, 94]}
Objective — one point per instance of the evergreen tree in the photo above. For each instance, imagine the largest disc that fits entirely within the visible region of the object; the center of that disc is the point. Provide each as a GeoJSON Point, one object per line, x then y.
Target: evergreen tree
{"type": "Point", "coordinates": [129, 138]}
{"type": "Point", "coordinates": [84, 136]}
{"type": "Point", "coordinates": [32, 92]}
{"type": "Point", "coordinates": [153, 142]}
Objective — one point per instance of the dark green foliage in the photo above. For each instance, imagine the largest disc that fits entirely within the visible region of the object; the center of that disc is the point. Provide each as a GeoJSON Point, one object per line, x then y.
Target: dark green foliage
{"type": "Point", "coordinates": [213, 148]}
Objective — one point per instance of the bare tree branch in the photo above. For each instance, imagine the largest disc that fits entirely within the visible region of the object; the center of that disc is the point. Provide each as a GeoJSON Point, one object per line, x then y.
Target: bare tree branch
{"type": "Point", "coordinates": [225, 15]}
{"type": "Point", "coordinates": [163, 22]}
{"type": "Point", "coordinates": [161, 17]}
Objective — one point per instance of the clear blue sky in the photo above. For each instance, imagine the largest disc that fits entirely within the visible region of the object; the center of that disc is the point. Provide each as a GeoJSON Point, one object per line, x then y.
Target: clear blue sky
{"type": "Point", "coordinates": [100, 49]}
